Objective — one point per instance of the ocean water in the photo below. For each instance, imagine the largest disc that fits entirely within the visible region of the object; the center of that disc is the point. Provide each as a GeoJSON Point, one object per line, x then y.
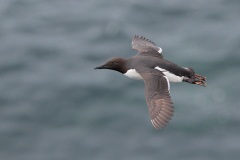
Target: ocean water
{"type": "Point", "coordinates": [55, 106]}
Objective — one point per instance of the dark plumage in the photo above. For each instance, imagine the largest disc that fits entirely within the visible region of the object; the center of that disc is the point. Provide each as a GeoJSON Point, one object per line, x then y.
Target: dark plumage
{"type": "Point", "coordinates": [156, 73]}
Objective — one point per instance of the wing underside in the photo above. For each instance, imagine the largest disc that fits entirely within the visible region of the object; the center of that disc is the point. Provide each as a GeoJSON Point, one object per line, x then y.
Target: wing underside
{"type": "Point", "coordinates": [157, 97]}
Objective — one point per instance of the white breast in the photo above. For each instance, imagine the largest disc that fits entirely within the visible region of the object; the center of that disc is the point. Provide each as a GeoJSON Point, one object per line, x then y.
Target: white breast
{"type": "Point", "coordinates": [132, 73]}
{"type": "Point", "coordinates": [171, 77]}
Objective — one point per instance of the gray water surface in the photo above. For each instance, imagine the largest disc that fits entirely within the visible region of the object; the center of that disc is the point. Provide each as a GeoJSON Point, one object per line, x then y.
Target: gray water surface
{"type": "Point", "coordinates": [55, 106]}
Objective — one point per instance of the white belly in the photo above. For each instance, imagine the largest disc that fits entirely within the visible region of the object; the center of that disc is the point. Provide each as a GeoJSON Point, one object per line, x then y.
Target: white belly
{"type": "Point", "coordinates": [171, 77]}
{"type": "Point", "coordinates": [132, 73]}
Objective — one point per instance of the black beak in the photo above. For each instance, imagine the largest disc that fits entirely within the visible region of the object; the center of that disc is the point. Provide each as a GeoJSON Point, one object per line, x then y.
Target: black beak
{"type": "Point", "coordinates": [100, 67]}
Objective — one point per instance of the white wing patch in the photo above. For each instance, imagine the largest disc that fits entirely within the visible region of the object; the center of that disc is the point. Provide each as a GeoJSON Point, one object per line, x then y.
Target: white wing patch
{"type": "Point", "coordinates": [168, 83]}
{"type": "Point", "coordinates": [171, 77]}
{"type": "Point", "coordinates": [160, 50]}
{"type": "Point", "coordinates": [132, 73]}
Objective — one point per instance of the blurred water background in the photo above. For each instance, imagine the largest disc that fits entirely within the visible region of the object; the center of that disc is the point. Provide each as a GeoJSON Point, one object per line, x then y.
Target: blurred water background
{"type": "Point", "coordinates": [54, 106]}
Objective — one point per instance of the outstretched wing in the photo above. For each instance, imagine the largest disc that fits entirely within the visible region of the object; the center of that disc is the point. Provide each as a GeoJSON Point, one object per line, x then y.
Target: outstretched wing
{"type": "Point", "coordinates": [157, 96]}
{"type": "Point", "coordinates": [146, 47]}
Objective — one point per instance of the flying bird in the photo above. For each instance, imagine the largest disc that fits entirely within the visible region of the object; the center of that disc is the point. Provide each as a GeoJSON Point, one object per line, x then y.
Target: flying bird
{"type": "Point", "coordinates": [156, 72]}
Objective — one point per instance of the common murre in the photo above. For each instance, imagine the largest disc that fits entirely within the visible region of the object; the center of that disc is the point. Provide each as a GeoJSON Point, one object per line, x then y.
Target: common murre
{"type": "Point", "coordinates": [156, 72]}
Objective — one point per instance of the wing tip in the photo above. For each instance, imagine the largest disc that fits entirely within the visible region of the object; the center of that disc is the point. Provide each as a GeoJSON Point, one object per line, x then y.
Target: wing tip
{"type": "Point", "coordinates": [135, 37]}
{"type": "Point", "coordinates": [157, 125]}
{"type": "Point", "coordinates": [162, 119]}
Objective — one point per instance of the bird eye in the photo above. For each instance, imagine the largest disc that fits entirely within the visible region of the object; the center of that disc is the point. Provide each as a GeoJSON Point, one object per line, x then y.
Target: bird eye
{"type": "Point", "coordinates": [113, 62]}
